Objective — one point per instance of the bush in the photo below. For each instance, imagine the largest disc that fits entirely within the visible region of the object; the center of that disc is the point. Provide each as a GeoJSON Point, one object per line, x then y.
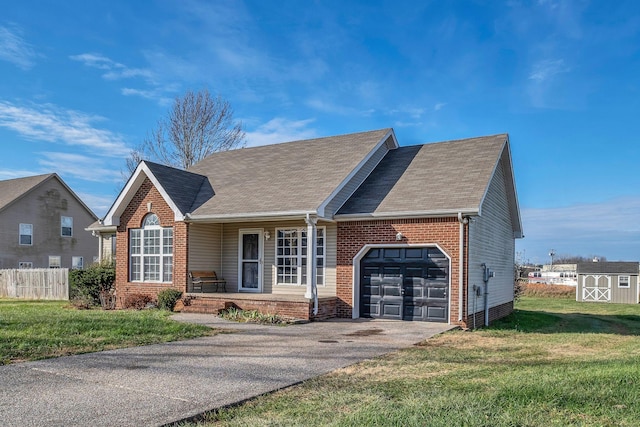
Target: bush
{"type": "Point", "coordinates": [168, 298]}
{"type": "Point", "coordinates": [136, 301]}
{"type": "Point", "coordinates": [86, 286]}
{"type": "Point", "coordinates": [552, 291]}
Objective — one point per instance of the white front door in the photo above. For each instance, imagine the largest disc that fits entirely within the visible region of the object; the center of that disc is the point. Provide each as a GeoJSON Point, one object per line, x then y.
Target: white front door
{"type": "Point", "coordinates": [250, 260]}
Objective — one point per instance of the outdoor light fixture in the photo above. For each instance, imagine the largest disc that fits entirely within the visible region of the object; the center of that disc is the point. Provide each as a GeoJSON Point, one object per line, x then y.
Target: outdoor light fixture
{"type": "Point", "coordinates": [267, 235]}
{"type": "Point", "coordinates": [399, 236]}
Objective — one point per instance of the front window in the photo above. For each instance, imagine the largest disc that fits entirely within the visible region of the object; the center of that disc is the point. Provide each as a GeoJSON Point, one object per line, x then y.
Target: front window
{"type": "Point", "coordinates": [26, 234]}
{"type": "Point", "coordinates": [77, 262]}
{"type": "Point", "coordinates": [623, 281]}
{"type": "Point", "coordinates": [54, 261]}
{"type": "Point", "coordinates": [66, 225]}
{"type": "Point", "coordinates": [291, 256]}
{"type": "Point", "coordinates": [151, 252]}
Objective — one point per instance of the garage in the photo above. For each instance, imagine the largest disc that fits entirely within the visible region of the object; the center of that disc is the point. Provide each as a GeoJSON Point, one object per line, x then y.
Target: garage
{"type": "Point", "coordinates": [405, 283]}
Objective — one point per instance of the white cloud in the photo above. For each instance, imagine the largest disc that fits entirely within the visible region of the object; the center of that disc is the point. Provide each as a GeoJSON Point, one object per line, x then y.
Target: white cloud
{"type": "Point", "coordinates": [546, 69]}
{"type": "Point", "coordinates": [18, 173]}
{"type": "Point", "coordinates": [113, 70]}
{"type": "Point", "coordinates": [88, 168]}
{"type": "Point", "coordinates": [280, 130]}
{"type": "Point", "coordinates": [439, 106]}
{"type": "Point", "coordinates": [97, 203]}
{"type": "Point", "coordinates": [49, 123]}
{"type": "Point", "coordinates": [15, 49]}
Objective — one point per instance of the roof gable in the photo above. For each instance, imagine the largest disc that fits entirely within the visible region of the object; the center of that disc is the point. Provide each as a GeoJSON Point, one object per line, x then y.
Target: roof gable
{"type": "Point", "coordinates": [181, 190]}
{"type": "Point", "coordinates": [444, 177]}
{"type": "Point", "coordinates": [291, 178]}
{"type": "Point", "coordinates": [12, 190]}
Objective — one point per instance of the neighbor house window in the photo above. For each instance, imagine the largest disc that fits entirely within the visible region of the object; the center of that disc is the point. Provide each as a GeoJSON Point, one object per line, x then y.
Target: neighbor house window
{"type": "Point", "coordinates": [291, 256]}
{"type": "Point", "coordinates": [77, 262]}
{"type": "Point", "coordinates": [54, 261]}
{"type": "Point", "coordinates": [25, 264]}
{"type": "Point", "coordinates": [623, 281]}
{"type": "Point", "coordinates": [66, 224]}
{"type": "Point", "coordinates": [26, 234]}
{"type": "Point", "coordinates": [151, 252]}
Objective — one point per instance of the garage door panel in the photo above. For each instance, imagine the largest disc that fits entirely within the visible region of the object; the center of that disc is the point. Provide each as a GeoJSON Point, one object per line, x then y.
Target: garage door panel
{"type": "Point", "coordinates": [392, 310]}
{"type": "Point", "coordinates": [437, 292]}
{"type": "Point", "coordinates": [436, 313]}
{"type": "Point", "coordinates": [412, 312]}
{"type": "Point", "coordinates": [373, 310]}
{"type": "Point", "coordinates": [372, 290]}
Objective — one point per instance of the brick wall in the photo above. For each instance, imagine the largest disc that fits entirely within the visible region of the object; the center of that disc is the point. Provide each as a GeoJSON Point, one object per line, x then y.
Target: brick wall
{"type": "Point", "coordinates": [352, 236]}
{"type": "Point", "coordinates": [149, 200]}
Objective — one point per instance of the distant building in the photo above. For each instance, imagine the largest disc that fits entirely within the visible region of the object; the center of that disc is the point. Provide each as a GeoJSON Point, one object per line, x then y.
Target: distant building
{"type": "Point", "coordinates": [42, 225]}
{"type": "Point", "coordinates": [556, 274]}
{"type": "Point", "coordinates": [615, 282]}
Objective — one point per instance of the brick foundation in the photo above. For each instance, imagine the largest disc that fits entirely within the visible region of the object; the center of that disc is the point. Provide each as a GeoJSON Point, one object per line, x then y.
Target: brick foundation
{"type": "Point", "coordinates": [495, 313]}
{"type": "Point", "coordinates": [300, 309]}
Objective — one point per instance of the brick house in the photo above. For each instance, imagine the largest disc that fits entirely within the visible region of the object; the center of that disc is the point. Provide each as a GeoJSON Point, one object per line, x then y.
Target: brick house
{"type": "Point", "coordinates": [345, 226]}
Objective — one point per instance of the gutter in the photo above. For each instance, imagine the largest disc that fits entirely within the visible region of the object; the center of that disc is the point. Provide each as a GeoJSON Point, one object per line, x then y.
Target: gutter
{"type": "Point", "coordinates": [257, 216]}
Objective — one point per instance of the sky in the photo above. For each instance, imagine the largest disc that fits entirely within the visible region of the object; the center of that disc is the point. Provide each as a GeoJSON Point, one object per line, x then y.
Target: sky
{"type": "Point", "coordinates": [82, 83]}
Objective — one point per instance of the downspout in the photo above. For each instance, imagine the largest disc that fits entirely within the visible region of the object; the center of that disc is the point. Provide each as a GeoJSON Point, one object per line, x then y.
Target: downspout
{"type": "Point", "coordinates": [462, 222]}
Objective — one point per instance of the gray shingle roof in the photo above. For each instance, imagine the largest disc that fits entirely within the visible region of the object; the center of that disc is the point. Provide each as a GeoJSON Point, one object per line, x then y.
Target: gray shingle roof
{"type": "Point", "coordinates": [188, 190]}
{"type": "Point", "coordinates": [12, 189]}
{"type": "Point", "coordinates": [608, 268]}
{"type": "Point", "coordinates": [447, 176]}
{"type": "Point", "coordinates": [289, 177]}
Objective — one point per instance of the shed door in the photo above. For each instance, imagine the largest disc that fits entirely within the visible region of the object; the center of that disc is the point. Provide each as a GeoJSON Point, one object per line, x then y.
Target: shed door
{"type": "Point", "coordinates": [405, 284]}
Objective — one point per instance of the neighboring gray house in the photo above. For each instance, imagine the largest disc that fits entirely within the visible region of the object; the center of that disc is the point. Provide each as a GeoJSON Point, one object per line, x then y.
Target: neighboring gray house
{"type": "Point", "coordinates": [615, 282]}
{"type": "Point", "coordinates": [343, 226]}
{"type": "Point", "coordinates": [42, 225]}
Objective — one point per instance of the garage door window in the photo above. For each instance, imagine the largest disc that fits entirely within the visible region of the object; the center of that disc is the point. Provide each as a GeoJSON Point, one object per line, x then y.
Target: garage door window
{"type": "Point", "coordinates": [291, 256]}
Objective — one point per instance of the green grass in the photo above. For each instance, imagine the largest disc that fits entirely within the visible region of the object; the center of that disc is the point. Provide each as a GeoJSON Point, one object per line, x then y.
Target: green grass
{"type": "Point", "coordinates": [553, 362]}
{"type": "Point", "coordinates": [32, 330]}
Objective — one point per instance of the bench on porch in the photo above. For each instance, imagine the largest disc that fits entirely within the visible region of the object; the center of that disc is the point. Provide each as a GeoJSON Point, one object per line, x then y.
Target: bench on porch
{"type": "Point", "coordinates": [201, 278]}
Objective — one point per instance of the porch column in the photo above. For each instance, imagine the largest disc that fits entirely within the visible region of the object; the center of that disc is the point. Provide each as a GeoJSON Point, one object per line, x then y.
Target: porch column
{"type": "Point", "coordinates": [311, 257]}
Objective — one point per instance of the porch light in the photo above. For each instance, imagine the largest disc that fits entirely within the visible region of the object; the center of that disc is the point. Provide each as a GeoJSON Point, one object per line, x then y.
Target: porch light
{"type": "Point", "coordinates": [267, 235]}
{"type": "Point", "coordinates": [399, 236]}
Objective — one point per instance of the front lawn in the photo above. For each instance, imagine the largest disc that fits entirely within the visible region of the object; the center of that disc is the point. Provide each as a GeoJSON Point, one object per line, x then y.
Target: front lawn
{"type": "Point", "coordinates": [31, 330]}
{"type": "Point", "coordinates": [553, 362]}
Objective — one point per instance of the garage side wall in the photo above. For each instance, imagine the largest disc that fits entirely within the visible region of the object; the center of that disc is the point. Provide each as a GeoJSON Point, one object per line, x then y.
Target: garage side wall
{"type": "Point", "coordinates": [491, 241]}
{"type": "Point", "coordinates": [354, 235]}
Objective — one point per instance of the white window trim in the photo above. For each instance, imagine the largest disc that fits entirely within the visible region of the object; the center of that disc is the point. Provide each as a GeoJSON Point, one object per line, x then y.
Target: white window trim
{"type": "Point", "coordinates": [299, 266]}
{"type": "Point", "coordinates": [54, 257]}
{"type": "Point", "coordinates": [20, 234]}
{"type": "Point", "coordinates": [62, 227]}
{"type": "Point", "coordinates": [161, 254]}
{"type": "Point", "coordinates": [81, 262]}
{"type": "Point", "coordinates": [628, 285]}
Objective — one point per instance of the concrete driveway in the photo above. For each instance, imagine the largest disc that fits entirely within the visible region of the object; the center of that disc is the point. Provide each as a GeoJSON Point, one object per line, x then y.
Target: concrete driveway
{"type": "Point", "coordinates": [162, 383]}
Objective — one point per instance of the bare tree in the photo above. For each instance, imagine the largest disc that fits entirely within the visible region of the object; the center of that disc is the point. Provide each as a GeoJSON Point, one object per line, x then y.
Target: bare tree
{"type": "Point", "coordinates": [197, 125]}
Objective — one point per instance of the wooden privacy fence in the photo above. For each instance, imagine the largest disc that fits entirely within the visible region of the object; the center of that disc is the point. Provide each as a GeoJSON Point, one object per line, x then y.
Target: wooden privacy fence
{"type": "Point", "coordinates": [35, 283]}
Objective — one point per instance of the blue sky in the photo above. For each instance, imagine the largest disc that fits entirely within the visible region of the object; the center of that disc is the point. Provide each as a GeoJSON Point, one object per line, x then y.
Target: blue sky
{"type": "Point", "coordinates": [81, 83]}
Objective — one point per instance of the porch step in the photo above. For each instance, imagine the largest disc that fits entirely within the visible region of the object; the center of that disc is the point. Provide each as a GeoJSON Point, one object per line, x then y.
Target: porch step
{"type": "Point", "coordinates": [299, 309]}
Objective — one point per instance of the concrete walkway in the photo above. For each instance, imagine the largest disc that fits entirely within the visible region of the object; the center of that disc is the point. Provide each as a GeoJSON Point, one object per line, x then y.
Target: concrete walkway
{"type": "Point", "coordinates": [158, 384]}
